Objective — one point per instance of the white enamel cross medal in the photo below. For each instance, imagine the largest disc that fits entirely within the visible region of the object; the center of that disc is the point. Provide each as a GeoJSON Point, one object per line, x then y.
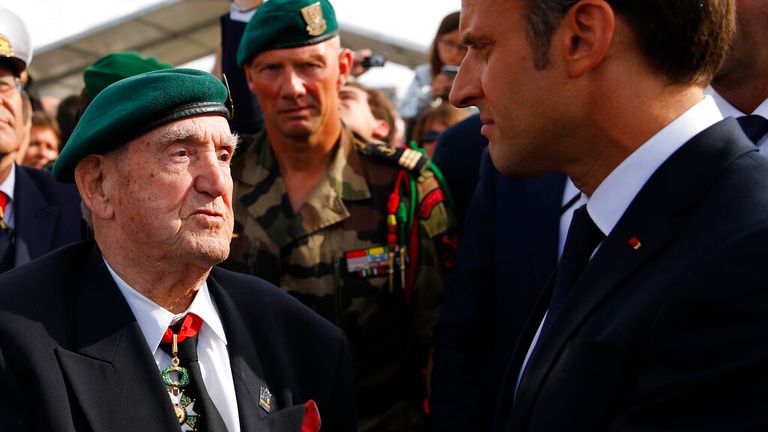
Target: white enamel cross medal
{"type": "Point", "coordinates": [175, 379]}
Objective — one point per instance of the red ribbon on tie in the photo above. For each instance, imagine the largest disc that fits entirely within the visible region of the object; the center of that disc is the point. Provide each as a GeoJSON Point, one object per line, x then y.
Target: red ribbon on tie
{"type": "Point", "coordinates": [189, 327]}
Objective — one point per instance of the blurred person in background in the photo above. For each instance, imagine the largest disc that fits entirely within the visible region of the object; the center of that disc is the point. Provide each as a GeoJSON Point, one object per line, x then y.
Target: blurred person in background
{"type": "Point", "coordinates": [432, 122]}
{"type": "Point", "coordinates": [67, 114]}
{"type": "Point", "coordinates": [368, 112]}
{"type": "Point", "coordinates": [434, 79]}
{"type": "Point", "coordinates": [37, 214]}
{"type": "Point", "coordinates": [44, 140]}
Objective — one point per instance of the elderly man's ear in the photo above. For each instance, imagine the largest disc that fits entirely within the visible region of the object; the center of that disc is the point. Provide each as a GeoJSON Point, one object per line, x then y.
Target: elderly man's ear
{"type": "Point", "coordinates": [91, 182]}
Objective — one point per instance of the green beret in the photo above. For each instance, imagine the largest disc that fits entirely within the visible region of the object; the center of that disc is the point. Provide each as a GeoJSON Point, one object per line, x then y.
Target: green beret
{"type": "Point", "coordinates": [116, 66]}
{"type": "Point", "coordinates": [136, 105]}
{"type": "Point", "coordinates": [279, 24]}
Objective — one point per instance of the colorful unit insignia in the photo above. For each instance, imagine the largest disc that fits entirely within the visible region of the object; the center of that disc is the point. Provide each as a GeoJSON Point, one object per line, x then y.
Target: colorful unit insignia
{"type": "Point", "coordinates": [265, 399]}
{"type": "Point", "coordinates": [313, 16]}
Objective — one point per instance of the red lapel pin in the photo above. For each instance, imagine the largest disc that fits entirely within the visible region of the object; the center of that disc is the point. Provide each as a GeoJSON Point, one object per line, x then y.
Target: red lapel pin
{"type": "Point", "coordinates": [634, 243]}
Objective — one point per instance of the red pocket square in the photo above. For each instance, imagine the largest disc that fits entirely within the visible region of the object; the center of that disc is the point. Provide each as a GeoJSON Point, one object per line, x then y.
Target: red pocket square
{"type": "Point", "coordinates": [311, 421]}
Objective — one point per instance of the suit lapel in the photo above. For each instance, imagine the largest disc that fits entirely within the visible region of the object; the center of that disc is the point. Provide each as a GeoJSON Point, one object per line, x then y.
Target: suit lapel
{"type": "Point", "coordinates": [112, 371]}
{"type": "Point", "coordinates": [244, 360]}
{"type": "Point", "coordinates": [652, 218]}
{"type": "Point", "coordinates": [35, 219]}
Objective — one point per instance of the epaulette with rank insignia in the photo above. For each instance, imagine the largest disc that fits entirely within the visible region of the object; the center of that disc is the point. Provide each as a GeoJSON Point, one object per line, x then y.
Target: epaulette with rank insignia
{"type": "Point", "coordinates": [405, 157]}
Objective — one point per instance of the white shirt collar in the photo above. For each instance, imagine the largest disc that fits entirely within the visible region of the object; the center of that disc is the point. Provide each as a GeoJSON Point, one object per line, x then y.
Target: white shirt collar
{"type": "Point", "coordinates": [729, 110]}
{"type": "Point", "coordinates": [153, 319]}
{"type": "Point", "coordinates": [614, 195]}
{"type": "Point", "coordinates": [9, 183]}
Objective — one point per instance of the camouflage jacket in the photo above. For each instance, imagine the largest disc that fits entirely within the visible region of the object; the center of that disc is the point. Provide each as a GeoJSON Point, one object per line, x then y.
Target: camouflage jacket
{"type": "Point", "coordinates": [311, 254]}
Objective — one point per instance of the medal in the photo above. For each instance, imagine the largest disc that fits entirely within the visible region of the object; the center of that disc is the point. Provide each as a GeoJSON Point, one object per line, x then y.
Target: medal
{"type": "Point", "coordinates": [175, 379]}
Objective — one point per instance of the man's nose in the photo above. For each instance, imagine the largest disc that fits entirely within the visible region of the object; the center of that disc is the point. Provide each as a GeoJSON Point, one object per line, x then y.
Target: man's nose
{"type": "Point", "coordinates": [293, 85]}
{"type": "Point", "coordinates": [212, 176]}
{"type": "Point", "coordinates": [466, 87]}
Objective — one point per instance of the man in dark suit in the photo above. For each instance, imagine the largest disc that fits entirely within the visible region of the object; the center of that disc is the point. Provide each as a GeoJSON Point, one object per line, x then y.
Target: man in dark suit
{"type": "Point", "coordinates": [654, 318]}
{"type": "Point", "coordinates": [38, 214]}
{"type": "Point", "coordinates": [135, 330]}
{"type": "Point", "coordinates": [505, 258]}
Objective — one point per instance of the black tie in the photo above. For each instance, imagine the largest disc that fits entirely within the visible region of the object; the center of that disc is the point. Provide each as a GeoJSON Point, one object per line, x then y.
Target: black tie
{"type": "Point", "coordinates": [210, 419]}
{"type": "Point", "coordinates": [754, 126]}
{"type": "Point", "coordinates": [583, 237]}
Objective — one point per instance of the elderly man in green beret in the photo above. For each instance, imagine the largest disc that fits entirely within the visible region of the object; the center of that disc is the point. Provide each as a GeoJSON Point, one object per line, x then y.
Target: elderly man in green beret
{"type": "Point", "coordinates": [359, 231]}
{"type": "Point", "coordinates": [136, 330]}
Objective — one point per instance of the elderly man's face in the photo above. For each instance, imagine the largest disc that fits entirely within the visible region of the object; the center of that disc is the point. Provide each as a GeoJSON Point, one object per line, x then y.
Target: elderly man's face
{"type": "Point", "coordinates": [12, 125]}
{"type": "Point", "coordinates": [297, 88]}
{"type": "Point", "coordinates": [172, 192]}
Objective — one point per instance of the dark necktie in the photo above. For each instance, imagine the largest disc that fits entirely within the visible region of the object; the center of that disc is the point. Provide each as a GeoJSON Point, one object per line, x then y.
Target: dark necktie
{"type": "Point", "coordinates": [754, 126]}
{"type": "Point", "coordinates": [207, 417]}
{"type": "Point", "coordinates": [582, 239]}
{"type": "Point", "coordinates": [7, 251]}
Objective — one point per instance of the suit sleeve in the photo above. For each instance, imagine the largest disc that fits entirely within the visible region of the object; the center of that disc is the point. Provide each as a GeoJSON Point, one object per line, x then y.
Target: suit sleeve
{"type": "Point", "coordinates": [462, 339]}
{"type": "Point", "coordinates": [706, 365]}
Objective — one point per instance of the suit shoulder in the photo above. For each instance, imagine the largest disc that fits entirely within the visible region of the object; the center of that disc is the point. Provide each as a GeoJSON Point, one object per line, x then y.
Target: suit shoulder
{"type": "Point", "coordinates": [253, 293]}
{"type": "Point", "coordinates": [53, 190]}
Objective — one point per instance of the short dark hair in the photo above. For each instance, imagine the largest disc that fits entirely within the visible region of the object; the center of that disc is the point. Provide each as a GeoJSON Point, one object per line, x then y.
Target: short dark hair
{"type": "Point", "coordinates": [685, 40]}
{"type": "Point", "coordinates": [448, 24]}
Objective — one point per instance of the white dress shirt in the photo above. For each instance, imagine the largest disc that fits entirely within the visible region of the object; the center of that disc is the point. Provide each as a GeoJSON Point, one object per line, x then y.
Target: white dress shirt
{"type": "Point", "coordinates": [211, 344]}
{"type": "Point", "coordinates": [728, 110]}
{"type": "Point", "coordinates": [7, 186]}
{"type": "Point", "coordinates": [617, 191]}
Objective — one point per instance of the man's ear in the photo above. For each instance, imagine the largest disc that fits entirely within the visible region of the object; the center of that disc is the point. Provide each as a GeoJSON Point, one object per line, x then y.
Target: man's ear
{"type": "Point", "coordinates": [90, 179]}
{"type": "Point", "coordinates": [345, 66]}
{"type": "Point", "coordinates": [588, 31]}
{"type": "Point", "coordinates": [381, 130]}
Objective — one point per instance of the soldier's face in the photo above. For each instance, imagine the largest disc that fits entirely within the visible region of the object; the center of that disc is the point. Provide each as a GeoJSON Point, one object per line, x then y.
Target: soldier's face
{"type": "Point", "coordinates": [12, 124]}
{"type": "Point", "coordinates": [171, 191]}
{"type": "Point", "coordinates": [298, 88]}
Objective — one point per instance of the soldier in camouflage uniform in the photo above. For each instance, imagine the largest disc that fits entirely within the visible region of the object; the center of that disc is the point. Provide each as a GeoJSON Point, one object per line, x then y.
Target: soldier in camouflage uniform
{"type": "Point", "coordinates": [369, 242]}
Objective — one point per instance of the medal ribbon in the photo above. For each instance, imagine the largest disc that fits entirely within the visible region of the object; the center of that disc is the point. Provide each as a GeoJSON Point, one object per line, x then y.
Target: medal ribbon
{"type": "Point", "coordinates": [189, 327]}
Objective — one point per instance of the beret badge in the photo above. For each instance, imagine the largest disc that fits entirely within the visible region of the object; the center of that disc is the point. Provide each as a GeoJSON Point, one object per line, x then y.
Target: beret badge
{"type": "Point", "coordinates": [6, 50]}
{"type": "Point", "coordinates": [313, 16]}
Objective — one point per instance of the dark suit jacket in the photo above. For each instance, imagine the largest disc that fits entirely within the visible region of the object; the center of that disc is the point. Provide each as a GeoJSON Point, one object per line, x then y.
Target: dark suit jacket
{"type": "Point", "coordinates": [73, 358]}
{"type": "Point", "coordinates": [458, 154]}
{"type": "Point", "coordinates": [671, 335]}
{"type": "Point", "coordinates": [47, 214]}
{"type": "Point", "coordinates": [508, 251]}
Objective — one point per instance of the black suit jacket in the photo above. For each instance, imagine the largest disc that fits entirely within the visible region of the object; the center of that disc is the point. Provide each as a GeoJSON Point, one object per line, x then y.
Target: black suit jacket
{"type": "Point", "coordinates": [458, 154]}
{"type": "Point", "coordinates": [670, 335]}
{"type": "Point", "coordinates": [47, 214]}
{"type": "Point", "coordinates": [73, 358]}
{"type": "Point", "coordinates": [507, 253]}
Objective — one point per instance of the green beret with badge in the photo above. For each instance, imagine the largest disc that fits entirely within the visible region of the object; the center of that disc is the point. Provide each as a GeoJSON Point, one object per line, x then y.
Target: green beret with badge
{"type": "Point", "coordinates": [116, 66]}
{"type": "Point", "coordinates": [280, 24]}
{"type": "Point", "coordinates": [136, 105]}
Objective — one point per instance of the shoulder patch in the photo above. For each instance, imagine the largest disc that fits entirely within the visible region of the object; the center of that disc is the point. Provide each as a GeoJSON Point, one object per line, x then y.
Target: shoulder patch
{"type": "Point", "coordinates": [402, 156]}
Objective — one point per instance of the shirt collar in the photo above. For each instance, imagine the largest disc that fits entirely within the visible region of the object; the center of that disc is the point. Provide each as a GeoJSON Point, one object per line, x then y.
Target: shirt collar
{"type": "Point", "coordinates": [9, 184]}
{"type": "Point", "coordinates": [614, 195]}
{"type": "Point", "coordinates": [729, 110]}
{"type": "Point", "coordinates": [154, 319]}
